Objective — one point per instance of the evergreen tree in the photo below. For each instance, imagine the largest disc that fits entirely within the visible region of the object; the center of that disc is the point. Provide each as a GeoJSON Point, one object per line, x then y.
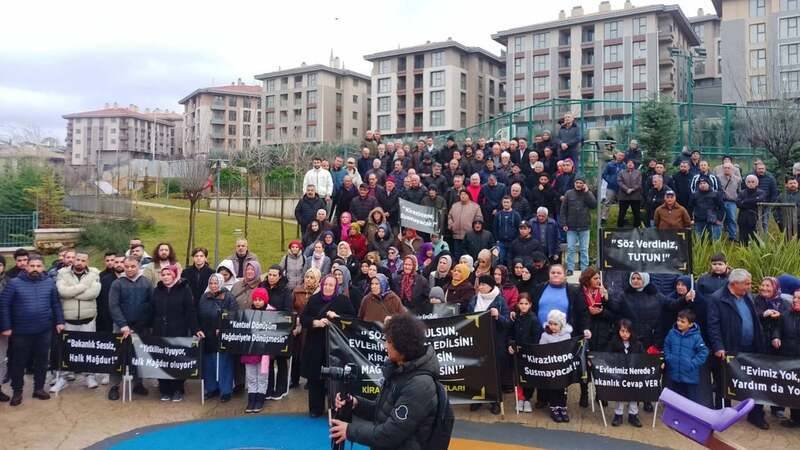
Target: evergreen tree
{"type": "Point", "coordinates": [658, 128]}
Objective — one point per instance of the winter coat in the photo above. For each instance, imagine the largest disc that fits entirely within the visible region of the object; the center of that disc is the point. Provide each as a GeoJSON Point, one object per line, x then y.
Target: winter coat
{"type": "Point", "coordinates": [684, 354]}
{"type": "Point", "coordinates": [788, 331]}
{"type": "Point", "coordinates": [564, 182]}
{"type": "Point", "coordinates": [602, 325]}
{"type": "Point", "coordinates": [130, 302]}
{"type": "Point", "coordinates": [767, 184]}
{"type": "Point", "coordinates": [30, 306]}
{"type": "Point", "coordinates": [440, 206]}
{"type": "Point", "coordinates": [343, 199]}
{"type": "Point", "coordinates": [325, 268]}
{"type": "Point", "coordinates": [78, 295]}
{"type": "Point", "coordinates": [707, 206]}
{"type": "Point", "coordinates": [617, 346]}
{"type": "Point", "coordinates": [629, 179]}
{"type": "Point", "coordinates": [475, 242]}
{"type": "Point", "coordinates": [293, 269]}
{"type": "Point", "coordinates": [375, 309]}
{"type": "Point", "coordinates": [676, 303]}
{"type": "Point", "coordinates": [667, 218]}
{"type": "Point", "coordinates": [490, 198]}
{"type": "Point", "coordinates": [552, 338]}
{"type": "Point", "coordinates": [548, 235]}
{"type": "Point", "coordinates": [240, 264]}
{"type": "Point", "coordinates": [418, 302]}
{"type": "Point", "coordinates": [174, 314]}
{"type": "Point", "coordinates": [768, 325]}
{"type": "Point", "coordinates": [712, 179]}
{"type": "Point", "coordinates": [546, 197]}
{"type": "Point", "coordinates": [506, 225]}
{"type": "Point", "coordinates": [710, 282]}
{"type": "Point", "coordinates": [322, 181]}
{"type": "Point", "coordinates": [681, 184]}
{"type": "Point", "coordinates": [409, 388]}
{"type": "Point", "coordinates": [103, 322]}
{"type": "Point", "coordinates": [306, 209]}
{"type": "Point", "coordinates": [209, 316]}
{"type": "Point", "coordinates": [407, 248]}
{"type": "Point", "coordinates": [358, 244]}
{"type": "Point", "coordinates": [390, 202]}
{"type": "Point", "coordinates": [280, 297]}
{"type": "Point", "coordinates": [414, 195]}
{"type": "Point", "coordinates": [645, 310]}
{"type": "Point", "coordinates": [459, 295]}
{"type": "Point", "coordinates": [461, 216]}
{"type": "Point", "coordinates": [653, 199]}
{"type": "Point", "coordinates": [725, 324]}
{"type": "Point", "coordinates": [572, 137]}
{"type": "Point", "coordinates": [576, 210]}
{"type": "Point", "coordinates": [501, 329]}
{"type": "Point", "coordinates": [361, 206]}
{"type": "Point", "coordinates": [524, 249]}
{"type": "Point", "coordinates": [610, 174]}
{"type": "Point", "coordinates": [526, 329]}
{"type": "Point", "coordinates": [197, 279]}
{"type": "Point", "coordinates": [748, 207]}
{"type": "Point", "coordinates": [314, 349]}
{"type": "Point", "coordinates": [577, 313]}
{"type": "Point", "coordinates": [242, 290]}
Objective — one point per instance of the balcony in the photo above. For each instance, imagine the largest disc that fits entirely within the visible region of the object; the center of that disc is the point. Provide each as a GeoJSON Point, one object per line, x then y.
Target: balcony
{"type": "Point", "coordinates": [665, 60]}
{"type": "Point", "coordinates": [667, 85]}
{"type": "Point", "coordinates": [217, 135]}
{"type": "Point", "coordinates": [218, 120]}
{"type": "Point", "coordinates": [665, 36]}
{"type": "Point", "coordinates": [218, 105]}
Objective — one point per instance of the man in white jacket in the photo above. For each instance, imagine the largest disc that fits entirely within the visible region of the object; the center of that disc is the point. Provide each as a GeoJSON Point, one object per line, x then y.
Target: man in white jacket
{"type": "Point", "coordinates": [78, 287]}
{"type": "Point", "coordinates": [322, 180]}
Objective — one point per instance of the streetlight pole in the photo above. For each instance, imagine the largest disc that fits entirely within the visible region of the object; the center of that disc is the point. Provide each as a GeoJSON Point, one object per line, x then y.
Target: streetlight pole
{"type": "Point", "coordinates": [689, 56]}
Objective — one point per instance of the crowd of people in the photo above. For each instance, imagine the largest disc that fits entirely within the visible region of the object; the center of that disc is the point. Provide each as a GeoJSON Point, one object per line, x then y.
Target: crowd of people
{"type": "Point", "coordinates": [504, 209]}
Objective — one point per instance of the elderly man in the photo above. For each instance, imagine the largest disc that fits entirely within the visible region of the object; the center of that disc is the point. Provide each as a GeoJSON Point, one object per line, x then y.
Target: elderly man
{"type": "Point", "coordinates": [570, 139]}
{"type": "Point", "coordinates": [307, 207]}
{"type": "Point", "coordinates": [241, 257]}
{"type": "Point", "coordinates": [671, 215]}
{"type": "Point", "coordinates": [729, 183]}
{"type": "Point", "coordinates": [747, 202]}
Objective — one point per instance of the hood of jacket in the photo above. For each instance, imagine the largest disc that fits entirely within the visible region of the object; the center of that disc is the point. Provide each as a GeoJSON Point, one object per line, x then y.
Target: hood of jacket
{"type": "Point", "coordinates": [427, 363]}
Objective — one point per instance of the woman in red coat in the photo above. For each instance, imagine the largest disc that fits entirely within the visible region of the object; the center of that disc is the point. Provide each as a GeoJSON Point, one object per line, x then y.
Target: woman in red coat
{"type": "Point", "coordinates": [357, 241]}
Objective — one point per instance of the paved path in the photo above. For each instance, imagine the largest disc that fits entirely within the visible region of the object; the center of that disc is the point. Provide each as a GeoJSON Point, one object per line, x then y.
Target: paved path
{"type": "Point", "coordinates": [211, 211]}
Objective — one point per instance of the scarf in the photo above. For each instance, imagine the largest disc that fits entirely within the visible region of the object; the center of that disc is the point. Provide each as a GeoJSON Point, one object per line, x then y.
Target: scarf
{"type": "Point", "coordinates": [592, 297]}
{"type": "Point", "coordinates": [328, 298]}
{"type": "Point", "coordinates": [776, 300]}
{"type": "Point", "coordinates": [317, 259]}
{"type": "Point", "coordinates": [483, 301]}
{"type": "Point", "coordinates": [384, 282]}
{"type": "Point", "coordinates": [220, 282]}
{"type": "Point", "coordinates": [463, 269]}
{"type": "Point", "coordinates": [440, 274]}
{"type": "Point", "coordinates": [344, 228]}
{"type": "Point", "coordinates": [645, 280]}
{"type": "Point", "coordinates": [344, 288]}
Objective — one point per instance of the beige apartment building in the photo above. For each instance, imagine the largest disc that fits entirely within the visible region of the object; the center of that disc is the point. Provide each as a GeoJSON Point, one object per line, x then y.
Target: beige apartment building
{"type": "Point", "coordinates": [114, 135]}
{"type": "Point", "coordinates": [222, 119]}
{"type": "Point", "coordinates": [707, 68]}
{"type": "Point", "coordinates": [435, 87]}
{"type": "Point", "coordinates": [314, 103]}
{"type": "Point", "coordinates": [760, 49]}
{"type": "Point", "coordinates": [613, 55]}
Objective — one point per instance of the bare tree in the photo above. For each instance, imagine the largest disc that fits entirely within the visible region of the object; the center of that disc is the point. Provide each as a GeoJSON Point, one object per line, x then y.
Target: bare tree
{"type": "Point", "coordinates": [285, 162]}
{"type": "Point", "coordinates": [775, 127]}
{"type": "Point", "coordinates": [194, 179]}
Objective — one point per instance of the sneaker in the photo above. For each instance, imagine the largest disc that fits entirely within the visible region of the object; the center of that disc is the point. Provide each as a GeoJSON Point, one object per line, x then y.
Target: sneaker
{"type": "Point", "coordinates": [4, 397]}
{"type": "Point", "coordinates": [177, 396]}
{"type": "Point", "coordinates": [166, 397]}
{"type": "Point", "coordinates": [526, 407]}
{"type": "Point", "coordinates": [105, 379]}
{"type": "Point", "coordinates": [554, 414]}
{"type": "Point", "coordinates": [648, 406]}
{"type": "Point", "coordinates": [113, 393]}
{"type": "Point", "coordinates": [564, 414]}
{"type": "Point", "coordinates": [617, 420]}
{"type": "Point", "coordinates": [251, 401]}
{"type": "Point", "coordinates": [633, 419]}
{"type": "Point", "coordinates": [41, 394]}
{"type": "Point", "coordinates": [495, 408]}
{"type": "Point", "coordinates": [91, 382]}
{"type": "Point", "coordinates": [70, 376]}
{"type": "Point", "coordinates": [16, 398]}
{"type": "Point", "coordinates": [59, 385]}
{"type": "Point", "coordinates": [258, 404]}
{"type": "Point", "coordinates": [139, 389]}
{"type": "Point", "coordinates": [520, 406]}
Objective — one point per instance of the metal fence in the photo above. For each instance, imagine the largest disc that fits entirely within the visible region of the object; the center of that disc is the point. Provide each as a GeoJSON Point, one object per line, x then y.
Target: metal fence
{"type": "Point", "coordinates": [100, 205]}
{"type": "Point", "coordinates": [16, 230]}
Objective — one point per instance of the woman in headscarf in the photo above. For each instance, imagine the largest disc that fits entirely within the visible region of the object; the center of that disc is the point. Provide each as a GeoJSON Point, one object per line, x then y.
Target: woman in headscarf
{"type": "Point", "coordinates": [411, 286]}
{"type": "Point", "coordinates": [459, 290]}
{"type": "Point", "coordinates": [507, 288]}
{"type": "Point", "coordinates": [515, 274]}
{"type": "Point", "coordinates": [469, 261]}
{"type": "Point", "coordinates": [441, 275]}
{"type": "Point", "coordinates": [770, 306]}
{"type": "Point", "coordinates": [318, 259]}
{"type": "Point", "coordinates": [343, 230]}
{"type": "Point", "coordinates": [345, 253]}
{"type": "Point", "coordinates": [425, 256]}
{"type": "Point", "coordinates": [393, 262]}
{"type": "Point", "coordinates": [380, 303]}
{"type": "Point", "coordinates": [409, 243]}
{"type": "Point", "coordinates": [357, 241]}
{"type": "Point", "coordinates": [375, 220]}
{"type": "Point", "coordinates": [323, 307]}
{"type": "Point", "coordinates": [381, 241]}
{"type": "Point", "coordinates": [644, 306]}
{"type": "Point", "coordinates": [300, 295]}
{"type": "Point", "coordinates": [311, 233]}
{"type": "Point", "coordinates": [243, 288]}
{"type": "Point", "coordinates": [225, 268]}
{"type": "Point", "coordinates": [216, 299]}
{"type": "Point", "coordinates": [345, 284]}
{"type": "Point", "coordinates": [526, 283]}
{"type": "Point", "coordinates": [484, 266]}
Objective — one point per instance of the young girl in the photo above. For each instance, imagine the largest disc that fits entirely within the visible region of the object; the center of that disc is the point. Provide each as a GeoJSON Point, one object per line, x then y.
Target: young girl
{"type": "Point", "coordinates": [256, 367]}
{"type": "Point", "coordinates": [526, 330]}
{"type": "Point", "coordinates": [625, 341]}
{"type": "Point", "coordinates": [556, 330]}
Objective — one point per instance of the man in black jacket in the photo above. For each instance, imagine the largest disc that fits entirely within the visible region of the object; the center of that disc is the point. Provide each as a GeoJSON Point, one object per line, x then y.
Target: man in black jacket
{"type": "Point", "coordinates": [307, 207]}
{"type": "Point", "coordinates": [361, 206]}
{"type": "Point", "coordinates": [477, 239]}
{"type": "Point", "coordinates": [576, 217]}
{"type": "Point", "coordinates": [344, 195]}
{"type": "Point", "coordinates": [681, 184]}
{"type": "Point", "coordinates": [708, 209]}
{"type": "Point", "coordinates": [524, 246]}
{"type": "Point", "coordinates": [198, 273]}
{"type": "Point", "coordinates": [404, 414]}
{"type": "Point", "coordinates": [389, 199]}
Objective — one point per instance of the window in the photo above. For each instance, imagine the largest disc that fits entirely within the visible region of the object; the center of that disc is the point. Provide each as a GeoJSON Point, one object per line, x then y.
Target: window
{"type": "Point", "coordinates": [355, 99]}
{"type": "Point", "coordinates": [401, 64]}
{"type": "Point", "coordinates": [270, 85]}
{"type": "Point", "coordinates": [113, 141]}
{"type": "Point", "coordinates": [463, 121]}
{"type": "Point", "coordinates": [463, 82]}
{"type": "Point", "coordinates": [311, 131]}
{"type": "Point", "coordinates": [612, 53]}
{"type": "Point", "coordinates": [480, 84]}
{"type": "Point", "coordinates": [298, 98]}
{"type": "Point", "coordinates": [77, 141]}
{"type": "Point", "coordinates": [355, 115]}
{"type": "Point", "coordinates": [113, 131]}
{"type": "Point", "coordinates": [791, 81]}
{"type": "Point", "coordinates": [338, 82]}
{"type": "Point", "coordinates": [699, 30]}
{"type": "Point", "coordinates": [269, 134]}
{"type": "Point", "coordinates": [463, 101]}
{"type": "Point", "coordinates": [270, 118]}
{"type": "Point", "coordinates": [518, 41]}
{"type": "Point", "coordinates": [788, 27]}
{"type": "Point", "coordinates": [437, 59]}
{"type": "Point", "coordinates": [640, 25]}
{"type": "Point", "coordinates": [437, 78]}
{"type": "Point", "coordinates": [231, 130]}
{"type": "Point", "coordinates": [284, 116]}
{"type": "Point", "coordinates": [417, 100]}
{"type": "Point", "coordinates": [437, 98]}
{"type": "Point", "coordinates": [639, 50]}
{"type": "Point", "coordinates": [587, 33]}
{"type": "Point", "coordinates": [355, 132]}
{"type": "Point", "coordinates": [758, 58]}
{"type": "Point", "coordinates": [540, 40]}
{"type": "Point", "coordinates": [284, 99]}
{"type": "Point", "coordinates": [246, 116]}
{"type": "Point", "coordinates": [232, 101]}
{"type": "Point", "coordinates": [758, 8]}
{"type": "Point", "coordinates": [790, 5]}
{"type": "Point", "coordinates": [384, 122]}
{"type": "Point", "coordinates": [519, 105]}
{"type": "Point", "coordinates": [419, 61]}
{"type": "Point", "coordinates": [418, 120]}
{"type": "Point", "coordinates": [384, 85]}
{"type": "Point", "coordinates": [788, 54]}
{"type": "Point", "coordinates": [270, 102]}
{"type": "Point", "coordinates": [541, 84]}
{"type": "Point", "coordinates": [519, 65]}
{"type": "Point", "coordinates": [462, 61]}
{"type": "Point", "coordinates": [285, 83]}
{"type": "Point", "coordinates": [311, 97]}
{"type": "Point", "coordinates": [311, 114]}
{"type": "Point", "coordinates": [246, 130]}
{"type": "Point", "coordinates": [518, 87]}
{"type": "Point", "coordinates": [491, 87]}
{"type": "Point", "coordinates": [418, 81]}
{"type": "Point", "coordinates": [298, 81]}
{"type": "Point", "coordinates": [612, 97]}
{"type": "Point", "coordinates": [311, 80]}
{"type": "Point", "coordinates": [699, 68]}
{"type": "Point", "coordinates": [355, 82]}
{"type": "Point", "coordinates": [298, 115]}
{"type": "Point", "coordinates": [640, 74]}
{"type": "Point", "coordinates": [384, 104]}
{"type": "Point", "coordinates": [612, 30]}
{"type": "Point", "coordinates": [541, 63]}
{"type": "Point", "coordinates": [437, 118]}
{"type": "Point", "coordinates": [384, 66]}
{"type": "Point", "coordinates": [758, 85]}
{"type": "Point", "coordinates": [232, 116]}
{"type": "Point", "coordinates": [612, 77]}
{"type": "Point", "coordinates": [246, 103]}
{"type": "Point", "coordinates": [758, 33]}
{"type": "Point", "coordinates": [338, 99]}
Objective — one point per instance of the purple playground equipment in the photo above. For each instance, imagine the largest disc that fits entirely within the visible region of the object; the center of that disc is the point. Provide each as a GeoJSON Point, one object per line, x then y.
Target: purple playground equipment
{"type": "Point", "coordinates": [699, 423]}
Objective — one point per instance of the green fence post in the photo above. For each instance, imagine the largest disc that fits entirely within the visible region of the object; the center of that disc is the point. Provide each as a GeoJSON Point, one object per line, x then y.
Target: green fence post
{"type": "Point", "coordinates": [728, 142]}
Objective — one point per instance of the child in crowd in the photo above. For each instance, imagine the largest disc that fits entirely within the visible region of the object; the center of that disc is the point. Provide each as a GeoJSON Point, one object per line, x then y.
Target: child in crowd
{"type": "Point", "coordinates": [625, 341]}
{"type": "Point", "coordinates": [526, 330]}
{"type": "Point", "coordinates": [257, 366]}
{"type": "Point", "coordinates": [556, 330]}
{"type": "Point", "coordinates": [685, 352]}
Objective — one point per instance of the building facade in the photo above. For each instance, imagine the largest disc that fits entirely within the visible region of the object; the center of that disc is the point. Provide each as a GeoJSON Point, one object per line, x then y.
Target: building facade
{"type": "Point", "coordinates": [760, 49]}
{"type": "Point", "coordinates": [314, 103]}
{"type": "Point", "coordinates": [222, 119]}
{"type": "Point", "coordinates": [434, 88]}
{"type": "Point", "coordinates": [610, 55]}
{"type": "Point", "coordinates": [708, 68]}
{"type": "Point", "coordinates": [114, 135]}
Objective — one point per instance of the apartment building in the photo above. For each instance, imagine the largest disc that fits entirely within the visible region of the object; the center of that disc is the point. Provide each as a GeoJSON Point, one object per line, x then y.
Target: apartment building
{"type": "Point", "coordinates": [708, 67]}
{"type": "Point", "coordinates": [221, 119]}
{"type": "Point", "coordinates": [760, 49]}
{"type": "Point", "coordinates": [614, 55]}
{"type": "Point", "coordinates": [435, 87]}
{"type": "Point", "coordinates": [314, 103]}
{"type": "Point", "coordinates": [115, 134]}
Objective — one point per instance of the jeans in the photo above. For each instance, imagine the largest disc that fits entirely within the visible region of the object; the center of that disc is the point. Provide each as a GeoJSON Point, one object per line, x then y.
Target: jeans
{"type": "Point", "coordinates": [225, 383]}
{"type": "Point", "coordinates": [25, 348]}
{"type": "Point", "coordinates": [730, 219]}
{"type": "Point", "coordinates": [687, 390]}
{"type": "Point", "coordinates": [611, 198]}
{"type": "Point", "coordinates": [458, 250]}
{"type": "Point", "coordinates": [580, 238]}
{"type": "Point", "coordinates": [701, 227]}
{"type": "Point", "coordinates": [503, 248]}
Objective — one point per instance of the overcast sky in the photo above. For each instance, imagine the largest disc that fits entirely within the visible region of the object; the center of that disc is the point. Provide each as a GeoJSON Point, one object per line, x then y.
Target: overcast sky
{"type": "Point", "coordinates": [60, 57]}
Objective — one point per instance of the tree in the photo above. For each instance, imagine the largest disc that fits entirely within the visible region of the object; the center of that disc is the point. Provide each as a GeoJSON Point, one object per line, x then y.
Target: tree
{"type": "Point", "coordinates": [48, 196]}
{"type": "Point", "coordinates": [658, 128]}
{"type": "Point", "coordinates": [230, 181]}
{"type": "Point", "coordinates": [194, 181]}
{"type": "Point", "coordinates": [775, 127]}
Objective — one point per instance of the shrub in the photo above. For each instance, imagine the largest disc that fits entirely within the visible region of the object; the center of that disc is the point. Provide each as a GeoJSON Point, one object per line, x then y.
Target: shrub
{"type": "Point", "coordinates": [108, 235]}
{"type": "Point", "coordinates": [773, 256]}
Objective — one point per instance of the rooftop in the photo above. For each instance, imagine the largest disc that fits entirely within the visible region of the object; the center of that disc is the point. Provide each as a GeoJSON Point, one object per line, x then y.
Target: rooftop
{"type": "Point", "coordinates": [430, 46]}
{"type": "Point", "coordinates": [164, 118]}
{"type": "Point", "coordinates": [230, 89]}
{"type": "Point", "coordinates": [312, 68]}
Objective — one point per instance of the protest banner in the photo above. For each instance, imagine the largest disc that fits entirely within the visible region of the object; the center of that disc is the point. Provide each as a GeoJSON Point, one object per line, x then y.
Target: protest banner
{"type": "Point", "coordinates": [418, 217]}
{"type": "Point", "coordinates": [767, 379]}
{"type": "Point", "coordinates": [551, 366]}
{"type": "Point", "coordinates": [172, 358]}
{"type": "Point", "coordinates": [440, 310]}
{"type": "Point", "coordinates": [362, 344]}
{"type": "Point", "coordinates": [646, 250]}
{"type": "Point", "coordinates": [253, 332]}
{"type": "Point", "coordinates": [626, 378]}
{"type": "Point", "coordinates": [91, 352]}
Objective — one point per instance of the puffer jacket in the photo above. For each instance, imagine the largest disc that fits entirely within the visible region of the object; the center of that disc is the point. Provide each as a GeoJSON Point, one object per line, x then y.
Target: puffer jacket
{"type": "Point", "coordinates": [30, 306]}
{"type": "Point", "coordinates": [130, 301]}
{"type": "Point", "coordinates": [684, 354]}
{"type": "Point", "coordinates": [403, 415]}
{"type": "Point", "coordinates": [293, 269]}
{"type": "Point", "coordinates": [461, 216]}
{"type": "Point", "coordinates": [78, 295]}
{"type": "Point", "coordinates": [174, 313]}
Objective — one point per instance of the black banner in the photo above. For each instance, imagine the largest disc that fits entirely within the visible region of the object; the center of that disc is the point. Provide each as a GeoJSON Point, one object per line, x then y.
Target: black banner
{"type": "Point", "coordinates": [767, 379]}
{"type": "Point", "coordinates": [626, 378]}
{"type": "Point", "coordinates": [440, 310]}
{"type": "Point", "coordinates": [646, 250]}
{"type": "Point", "coordinates": [252, 332]}
{"type": "Point", "coordinates": [90, 352]}
{"type": "Point", "coordinates": [551, 366]}
{"type": "Point", "coordinates": [360, 343]}
{"type": "Point", "coordinates": [418, 217]}
{"type": "Point", "coordinates": [173, 358]}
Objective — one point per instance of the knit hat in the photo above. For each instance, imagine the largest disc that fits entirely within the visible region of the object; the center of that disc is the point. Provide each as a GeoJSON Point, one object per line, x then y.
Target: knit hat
{"type": "Point", "coordinates": [295, 242]}
{"type": "Point", "coordinates": [260, 294]}
{"type": "Point", "coordinates": [718, 257]}
{"type": "Point", "coordinates": [356, 227]}
{"type": "Point", "coordinates": [172, 268]}
{"type": "Point", "coordinates": [487, 279]}
{"type": "Point", "coordinates": [437, 293]}
{"type": "Point", "coordinates": [391, 178]}
{"type": "Point", "coordinates": [557, 317]}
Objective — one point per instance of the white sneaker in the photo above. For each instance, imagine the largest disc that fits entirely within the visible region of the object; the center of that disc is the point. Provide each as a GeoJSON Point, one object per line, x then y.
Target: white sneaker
{"type": "Point", "coordinates": [104, 379]}
{"type": "Point", "coordinates": [58, 386]}
{"type": "Point", "coordinates": [526, 407]}
{"type": "Point", "coordinates": [70, 376]}
{"type": "Point", "coordinates": [91, 382]}
{"type": "Point", "coordinates": [519, 405]}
